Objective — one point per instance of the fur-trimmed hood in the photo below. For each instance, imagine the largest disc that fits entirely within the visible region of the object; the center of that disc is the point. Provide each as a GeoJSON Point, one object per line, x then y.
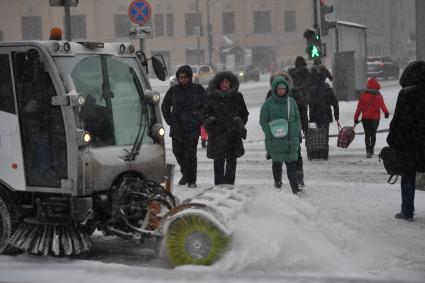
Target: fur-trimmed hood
{"type": "Point", "coordinates": [283, 74]}
{"type": "Point", "coordinates": [214, 85]}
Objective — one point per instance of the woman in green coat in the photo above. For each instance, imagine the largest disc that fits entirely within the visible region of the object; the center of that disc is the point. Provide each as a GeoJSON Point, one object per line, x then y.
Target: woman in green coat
{"type": "Point", "coordinates": [281, 124]}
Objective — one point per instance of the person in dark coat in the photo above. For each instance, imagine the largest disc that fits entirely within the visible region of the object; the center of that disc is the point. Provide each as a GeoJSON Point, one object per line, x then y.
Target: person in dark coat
{"type": "Point", "coordinates": [281, 108]}
{"type": "Point", "coordinates": [182, 109]}
{"type": "Point", "coordinates": [301, 78]}
{"type": "Point", "coordinates": [226, 115]}
{"type": "Point", "coordinates": [320, 105]}
{"type": "Point", "coordinates": [302, 109]}
{"type": "Point", "coordinates": [370, 105]}
{"type": "Point", "coordinates": [407, 132]}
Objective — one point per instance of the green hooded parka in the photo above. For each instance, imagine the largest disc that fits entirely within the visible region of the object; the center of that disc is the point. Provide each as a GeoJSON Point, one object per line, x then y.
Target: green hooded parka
{"type": "Point", "coordinates": [274, 108]}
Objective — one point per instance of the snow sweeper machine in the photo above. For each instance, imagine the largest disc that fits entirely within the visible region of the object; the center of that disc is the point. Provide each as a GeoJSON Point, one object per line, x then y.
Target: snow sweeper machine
{"type": "Point", "coordinates": [82, 148]}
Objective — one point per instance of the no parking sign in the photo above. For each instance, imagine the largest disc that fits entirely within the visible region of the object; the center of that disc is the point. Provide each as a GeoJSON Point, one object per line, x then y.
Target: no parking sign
{"type": "Point", "coordinates": [139, 12]}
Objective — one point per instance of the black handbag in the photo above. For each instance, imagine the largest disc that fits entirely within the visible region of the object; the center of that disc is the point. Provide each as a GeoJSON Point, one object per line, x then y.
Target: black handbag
{"type": "Point", "coordinates": [393, 163]}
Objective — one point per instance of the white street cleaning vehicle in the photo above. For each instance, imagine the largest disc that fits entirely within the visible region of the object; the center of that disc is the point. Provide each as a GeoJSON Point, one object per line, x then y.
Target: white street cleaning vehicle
{"type": "Point", "coordinates": [82, 148]}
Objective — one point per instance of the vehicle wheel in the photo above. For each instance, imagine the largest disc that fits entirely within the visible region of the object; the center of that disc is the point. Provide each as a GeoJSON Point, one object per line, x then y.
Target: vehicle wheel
{"type": "Point", "coordinates": [6, 226]}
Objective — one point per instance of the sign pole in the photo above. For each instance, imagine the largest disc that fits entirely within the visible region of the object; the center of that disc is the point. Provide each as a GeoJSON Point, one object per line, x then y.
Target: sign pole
{"type": "Point", "coordinates": [67, 20]}
{"type": "Point", "coordinates": [140, 12]}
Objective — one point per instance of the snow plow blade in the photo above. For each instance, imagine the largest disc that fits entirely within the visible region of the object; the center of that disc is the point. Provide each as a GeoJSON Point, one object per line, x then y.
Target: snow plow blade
{"type": "Point", "coordinates": [196, 231]}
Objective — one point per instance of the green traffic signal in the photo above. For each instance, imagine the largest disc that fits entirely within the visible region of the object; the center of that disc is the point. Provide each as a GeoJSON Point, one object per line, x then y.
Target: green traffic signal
{"type": "Point", "coordinates": [315, 52]}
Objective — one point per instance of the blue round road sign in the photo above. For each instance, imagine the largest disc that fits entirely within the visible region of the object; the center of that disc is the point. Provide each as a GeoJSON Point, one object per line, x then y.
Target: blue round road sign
{"type": "Point", "coordinates": [139, 11]}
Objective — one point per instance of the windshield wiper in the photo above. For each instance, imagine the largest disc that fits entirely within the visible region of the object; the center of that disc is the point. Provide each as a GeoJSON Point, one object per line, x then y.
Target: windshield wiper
{"type": "Point", "coordinates": [135, 149]}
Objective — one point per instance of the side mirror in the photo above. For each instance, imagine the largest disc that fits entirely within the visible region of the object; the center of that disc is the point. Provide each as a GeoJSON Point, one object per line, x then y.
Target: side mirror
{"type": "Point", "coordinates": [159, 67]}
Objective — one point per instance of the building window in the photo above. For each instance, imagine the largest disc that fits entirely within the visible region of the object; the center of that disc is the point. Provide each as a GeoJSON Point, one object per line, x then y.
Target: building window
{"type": "Point", "coordinates": [78, 27]}
{"type": "Point", "coordinates": [228, 22]}
{"type": "Point", "coordinates": [194, 56]}
{"type": "Point", "coordinates": [170, 24]}
{"type": "Point", "coordinates": [31, 28]}
{"type": "Point", "coordinates": [290, 21]}
{"type": "Point", "coordinates": [159, 24]}
{"type": "Point", "coordinates": [122, 25]}
{"type": "Point", "coordinates": [193, 24]}
{"type": "Point", "coordinates": [262, 22]}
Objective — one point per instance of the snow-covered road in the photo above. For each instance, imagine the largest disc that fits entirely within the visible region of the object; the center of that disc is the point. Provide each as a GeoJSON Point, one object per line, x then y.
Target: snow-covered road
{"type": "Point", "coordinates": [341, 226]}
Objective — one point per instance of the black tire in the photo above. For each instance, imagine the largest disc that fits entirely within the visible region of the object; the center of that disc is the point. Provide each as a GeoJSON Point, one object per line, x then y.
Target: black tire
{"type": "Point", "coordinates": [6, 226]}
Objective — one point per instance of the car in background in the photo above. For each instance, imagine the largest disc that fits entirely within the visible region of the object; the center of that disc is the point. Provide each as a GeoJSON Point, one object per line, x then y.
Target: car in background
{"type": "Point", "coordinates": [382, 67]}
{"type": "Point", "coordinates": [250, 73]}
{"type": "Point", "coordinates": [201, 74]}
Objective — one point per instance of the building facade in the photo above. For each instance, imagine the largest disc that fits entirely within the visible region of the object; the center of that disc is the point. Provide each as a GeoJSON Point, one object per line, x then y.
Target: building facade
{"type": "Point", "coordinates": [391, 25]}
{"type": "Point", "coordinates": [262, 32]}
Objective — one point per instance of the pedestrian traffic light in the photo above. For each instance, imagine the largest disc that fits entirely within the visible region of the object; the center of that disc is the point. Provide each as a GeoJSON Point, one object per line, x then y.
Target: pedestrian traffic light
{"type": "Point", "coordinates": [314, 43]}
{"type": "Point", "coordinates": [324, 24]}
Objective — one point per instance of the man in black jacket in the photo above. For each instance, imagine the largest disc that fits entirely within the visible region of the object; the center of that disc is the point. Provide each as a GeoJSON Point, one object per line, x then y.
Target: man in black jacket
{"type": "Point", "coordinates": [407, 132]}
{"type": "Point", "coordinates": [182, 109]}
{"type": "Point", "coordinates": [321, 101]}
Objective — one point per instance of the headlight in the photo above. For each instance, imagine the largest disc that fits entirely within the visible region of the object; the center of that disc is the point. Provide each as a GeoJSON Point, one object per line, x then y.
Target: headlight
{"type": "Point", "coordinates": [241, 74]}
{"type": "Point", "coordinates": [87, 138]}
{"type": "Point", "coordinates": [158, 131]}
{"type": "Point", "coordinates": [81, 100]}
{"type": "Point", "coordinates": [84, 138]}
{"type": "Point", "coordinates": [153, 96]}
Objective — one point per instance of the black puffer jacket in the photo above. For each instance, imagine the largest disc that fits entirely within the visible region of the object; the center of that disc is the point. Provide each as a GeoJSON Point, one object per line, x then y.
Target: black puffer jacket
{"type": "Point", "coordinates": [407, 128]}
{"type": "Point", "coordinates": [320, 105]}
{"type": "Point", "coordinates": [301, 77]}
{"type": "Point", "coordinates": [182, 107]}
{"type": "Point", "coordinates": [225, 133]}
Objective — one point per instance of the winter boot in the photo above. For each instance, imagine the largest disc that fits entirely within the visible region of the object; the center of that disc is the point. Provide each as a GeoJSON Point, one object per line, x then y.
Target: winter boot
{"type": "Point", "coordinates": [183, 181]}
{"type": "Point", "coordinates": [192, 185]}
{"type": "Point", "coordinates": [278, 184]}
{"type": "Point", "coordinates": [403, 216]}
{"type": "Point", "coordinates": [204, 143]}
{"type": "Point", "coordinates": [300, 178]}
{"type": "Point", "coordinates": [368, 155]}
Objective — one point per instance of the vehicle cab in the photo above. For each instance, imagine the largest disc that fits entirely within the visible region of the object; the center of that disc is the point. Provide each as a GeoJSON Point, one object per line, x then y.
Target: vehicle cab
{"type": "Point", "coordinates": [76, 116]}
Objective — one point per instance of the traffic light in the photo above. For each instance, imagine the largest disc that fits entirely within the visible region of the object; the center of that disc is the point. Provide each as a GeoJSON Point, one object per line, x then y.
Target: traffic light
{"type": "Point", "coordinates": [314, 43]}
{"type": "Point", "coordinates": [324, 24]}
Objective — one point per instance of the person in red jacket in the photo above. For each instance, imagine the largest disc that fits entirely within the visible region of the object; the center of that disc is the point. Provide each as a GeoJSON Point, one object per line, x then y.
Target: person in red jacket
{"type": "Point", "coordinates": [369, 105]}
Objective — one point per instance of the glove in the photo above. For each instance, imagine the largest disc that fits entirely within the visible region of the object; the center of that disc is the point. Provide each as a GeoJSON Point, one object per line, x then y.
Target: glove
{"type": "Point", "coordinates": [238, 121]}
{"type": "Point", "coordinates": [31, 106]}
{"type": "Point", "coordinates": [387, 115]}
{"type": "Point", "coordinates": [356, 122]}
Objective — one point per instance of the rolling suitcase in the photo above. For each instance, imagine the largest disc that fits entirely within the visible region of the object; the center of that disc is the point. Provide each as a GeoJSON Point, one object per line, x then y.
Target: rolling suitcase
{"type": "Point", "coordinates": [316, 143]}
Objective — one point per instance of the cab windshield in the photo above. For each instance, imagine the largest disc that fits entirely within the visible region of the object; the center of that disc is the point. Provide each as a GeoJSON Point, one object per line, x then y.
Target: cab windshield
{"type": "Point", "coordinates": [112, 112]}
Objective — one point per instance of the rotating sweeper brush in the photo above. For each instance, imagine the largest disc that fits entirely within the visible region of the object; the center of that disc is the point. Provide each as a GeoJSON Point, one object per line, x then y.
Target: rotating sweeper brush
{"type": "Point", "coordinates": [196, 232]}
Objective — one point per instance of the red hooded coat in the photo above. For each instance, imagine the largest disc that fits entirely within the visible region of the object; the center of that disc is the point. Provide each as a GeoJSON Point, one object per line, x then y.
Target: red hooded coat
{"type": "Point", "coordinates": [371, 102]}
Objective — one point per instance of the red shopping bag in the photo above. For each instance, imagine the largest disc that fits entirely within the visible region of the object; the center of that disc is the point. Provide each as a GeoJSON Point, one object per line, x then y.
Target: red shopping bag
{"type": "Point", "coordinates": [346, 135]}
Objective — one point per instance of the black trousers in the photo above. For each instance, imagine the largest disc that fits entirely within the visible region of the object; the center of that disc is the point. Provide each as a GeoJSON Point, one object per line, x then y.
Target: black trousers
{"type": "Point", "coordinates": [185, 153]}
{"type": "Point", "coordinates": [370, 127]}
{"type": "Point", "coordinates": [291, 171]}
{"type": "Point", "coordinates": [300, 160]}
{"type": "Point", "coordinates": [224, 175]}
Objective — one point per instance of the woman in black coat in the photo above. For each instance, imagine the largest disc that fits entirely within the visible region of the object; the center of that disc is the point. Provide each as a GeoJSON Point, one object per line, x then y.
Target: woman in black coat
{"type": "Point", "coordinates": [226, 115]}
{"type": "Point", "coordinates": [407, 132]}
